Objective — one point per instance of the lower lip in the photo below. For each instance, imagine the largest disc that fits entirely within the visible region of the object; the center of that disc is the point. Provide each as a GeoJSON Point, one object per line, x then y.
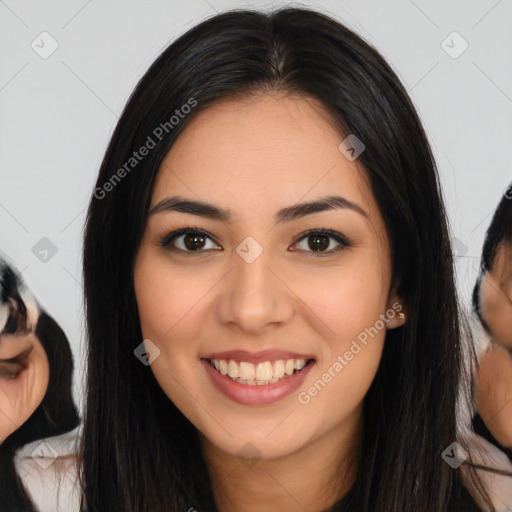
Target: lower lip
{"type": "Point", "coordinates": [256, 394]}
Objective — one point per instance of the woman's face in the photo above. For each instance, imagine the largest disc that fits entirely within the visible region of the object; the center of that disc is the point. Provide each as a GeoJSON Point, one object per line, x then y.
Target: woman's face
{"type": "Point", "coordinates": [496, 296]}
{"type": "Point", "coordinates": [24, 374]}
{"type": "Point", "coordinates": [257, 282]}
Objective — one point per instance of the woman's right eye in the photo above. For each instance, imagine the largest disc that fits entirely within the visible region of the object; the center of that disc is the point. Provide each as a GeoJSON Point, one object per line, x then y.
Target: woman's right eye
{"type": "Point", "coordinates": [187, 240]}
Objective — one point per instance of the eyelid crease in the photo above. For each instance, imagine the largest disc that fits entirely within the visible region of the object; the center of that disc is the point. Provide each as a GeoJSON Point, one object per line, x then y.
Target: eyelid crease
{"type": "Point", "coordinates": [20, 358]}
{"type": "Point", "coordinates": [170, 237]}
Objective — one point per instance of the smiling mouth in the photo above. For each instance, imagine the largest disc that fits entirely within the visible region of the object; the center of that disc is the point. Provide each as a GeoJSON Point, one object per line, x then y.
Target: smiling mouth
{"type": "Point", "coordinates": [261, 374]}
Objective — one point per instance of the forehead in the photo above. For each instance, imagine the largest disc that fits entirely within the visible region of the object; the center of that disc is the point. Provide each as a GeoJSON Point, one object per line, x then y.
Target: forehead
{"type": "Point", "coordinates": [270, 148]}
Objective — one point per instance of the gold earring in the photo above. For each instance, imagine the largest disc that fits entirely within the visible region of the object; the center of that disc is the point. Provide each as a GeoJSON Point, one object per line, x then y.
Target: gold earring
{"type": "Point", "coordinates": [401, 316]}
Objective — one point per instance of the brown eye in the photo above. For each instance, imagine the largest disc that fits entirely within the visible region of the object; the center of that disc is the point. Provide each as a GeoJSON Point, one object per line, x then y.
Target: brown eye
{"type": "Point", "coordinates": [10, 370]}
{"type": "Point", "coordinates": [188, 240]}
{"type": "Point", "coordinates": [319, 241]}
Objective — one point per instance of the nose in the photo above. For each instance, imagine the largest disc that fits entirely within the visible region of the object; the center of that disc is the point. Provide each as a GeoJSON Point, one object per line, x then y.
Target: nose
{"type": "Point", "coordinates": [254, 297]}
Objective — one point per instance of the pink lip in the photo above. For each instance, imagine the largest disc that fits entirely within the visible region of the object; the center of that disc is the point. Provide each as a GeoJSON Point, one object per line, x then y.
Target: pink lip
{"type": "Point", "coordinates": [256, 395]}
{"type": "Point", "coordinates": [257, 357]}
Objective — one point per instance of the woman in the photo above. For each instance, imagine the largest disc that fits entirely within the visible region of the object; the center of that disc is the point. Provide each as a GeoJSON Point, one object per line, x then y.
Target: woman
{"type": "Point", "coordinates": [326, 315]}
{"type": "Point", "coordinates": [492, 301]}
{"type": "Point", "coordinates": [37, 413]}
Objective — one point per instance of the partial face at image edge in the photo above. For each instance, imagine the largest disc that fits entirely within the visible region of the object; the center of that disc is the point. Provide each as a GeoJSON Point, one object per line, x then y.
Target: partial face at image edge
{"type": "Point", "coordinates": [24, 366]}
{"type": "Point", "coordinates": [495, 296]}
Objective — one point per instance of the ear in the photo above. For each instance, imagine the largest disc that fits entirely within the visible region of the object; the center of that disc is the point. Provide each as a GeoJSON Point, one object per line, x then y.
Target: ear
{"type": "Point", "coordinates": [396, 310]}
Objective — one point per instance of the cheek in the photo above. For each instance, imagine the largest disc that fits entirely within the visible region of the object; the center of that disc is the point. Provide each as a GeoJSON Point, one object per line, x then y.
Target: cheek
{"type": "Point", "coordinates": [172, 304]}
{"type": "Point", "coordinates": [164, 295]}
{"type": "Point", "coordinates": [21, 396]}
{"type": "Point", "coordinates": [496, 308]}
{"type": "Point", "coordinates": [346, 371]}
{"type": "Point", "coordinates": [348, 304]}
{"type": "Point", "coordinates": [346, 299]}
{"type": "Point", "coordinates": [500, 322]}
{"type": "Point", "coordinates": [170, 311]}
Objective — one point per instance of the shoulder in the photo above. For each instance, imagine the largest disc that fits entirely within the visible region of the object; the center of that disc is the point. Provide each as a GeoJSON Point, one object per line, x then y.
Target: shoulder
{"type": "Point", "coordinates": [48, 469]}
{"type": "Point", "coordinates": [497, 483]}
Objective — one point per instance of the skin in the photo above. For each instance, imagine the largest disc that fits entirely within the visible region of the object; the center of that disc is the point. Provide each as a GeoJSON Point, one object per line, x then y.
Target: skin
{"type": "Point", "coordinates": [493, 393]}
{"type": "Point", "coordinates": [23, 384]}
{"type": "Point", "coordinates": [494, 380]}
{"type": "Point", "coordinates": [496, 297]}
{"type": "Point", "coordinates": [256, 156]}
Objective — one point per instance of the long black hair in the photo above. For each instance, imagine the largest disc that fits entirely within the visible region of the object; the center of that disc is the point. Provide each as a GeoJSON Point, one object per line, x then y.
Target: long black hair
{"type": "Point", "coordinates": [56, 414]}
{"type": "Point", "coordinates": [139, 451]}
{"type": "Point", "coordinates": [498, 232]}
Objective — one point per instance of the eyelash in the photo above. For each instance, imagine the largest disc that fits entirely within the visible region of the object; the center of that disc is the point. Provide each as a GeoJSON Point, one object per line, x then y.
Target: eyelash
{"type": "Point", "coordinates": [344, 242]}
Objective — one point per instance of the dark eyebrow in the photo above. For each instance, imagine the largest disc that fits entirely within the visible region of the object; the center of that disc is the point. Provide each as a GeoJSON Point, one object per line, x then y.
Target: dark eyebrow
{"type": "Point", "coordinates": [202, 209]}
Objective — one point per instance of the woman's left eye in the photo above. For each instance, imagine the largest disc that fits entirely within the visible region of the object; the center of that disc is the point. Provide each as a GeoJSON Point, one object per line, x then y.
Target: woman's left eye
{"type": "Point", "coordinates": [191, 240]}
{"type": "Point", "coordinates": [319, 241]}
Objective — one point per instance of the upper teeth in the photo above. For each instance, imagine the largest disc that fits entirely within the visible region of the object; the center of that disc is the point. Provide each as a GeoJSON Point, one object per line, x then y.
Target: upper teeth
{"type": "Point", "coordinates": [267, 371]}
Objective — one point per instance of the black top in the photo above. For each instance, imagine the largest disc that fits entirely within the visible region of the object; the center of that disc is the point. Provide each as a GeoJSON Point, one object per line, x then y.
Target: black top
{"type": "Point", "coordinates": [461, 501]}
{"type": "Point", "coordinates": [481, 429]}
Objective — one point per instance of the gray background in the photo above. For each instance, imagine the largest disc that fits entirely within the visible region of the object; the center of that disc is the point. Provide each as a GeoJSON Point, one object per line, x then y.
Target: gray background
{"type": "Point", "coordinates": [57, 114]}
